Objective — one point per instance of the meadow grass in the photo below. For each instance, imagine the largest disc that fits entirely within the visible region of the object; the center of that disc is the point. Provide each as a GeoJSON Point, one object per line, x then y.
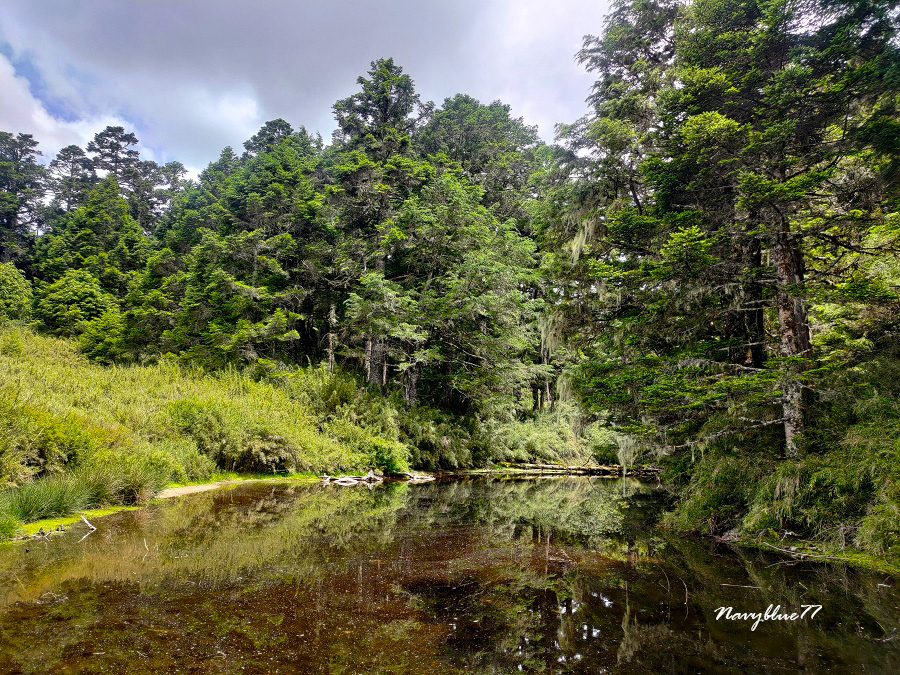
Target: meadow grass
{"type": "Point", "coordinates": [75, 435]}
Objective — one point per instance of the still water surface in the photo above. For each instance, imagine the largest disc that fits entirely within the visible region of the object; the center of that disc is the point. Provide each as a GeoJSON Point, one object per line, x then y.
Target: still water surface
{"type": "Point", "coordinates": [555, 575]}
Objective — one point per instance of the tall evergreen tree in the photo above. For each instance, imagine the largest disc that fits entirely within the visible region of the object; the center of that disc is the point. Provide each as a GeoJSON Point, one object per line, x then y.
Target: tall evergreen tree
{"type": "Point", "coordinates": [373, 173]}
{"type": "Point", "coordinates": [113, 151]}
{"type": "Point", "coordinates": [100, 237]}
{"type": "Point", "coordinates": [722, 142]}
{"type": "Point", "coordinates": [22, 184]}
{"type": "Point", "coordinates": [72, 175]}
{"type": "Point", "coordinates": [494, 149]}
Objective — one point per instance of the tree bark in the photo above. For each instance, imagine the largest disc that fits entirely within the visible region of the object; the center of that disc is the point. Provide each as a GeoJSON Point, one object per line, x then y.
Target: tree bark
{"type": "Point", "coordinates": [793, 325]}
{"type": "Point", "coordinates": [410, 378]}
{"type": "Point", "coordinates": [368, 359]}
{"type": "Point", "coordinates": [376, 363]}
{"type": "Point", "coordinates": [332, 320]}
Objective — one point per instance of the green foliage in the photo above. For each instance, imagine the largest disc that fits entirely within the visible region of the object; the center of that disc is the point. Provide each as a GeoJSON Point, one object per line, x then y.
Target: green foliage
{"type": "Point", "coordinates": [495, 150]}
{"type": "Point", "coordinates": [233, 448]}
{"type": "Point", "coordinates": [44, 498]}
{"type": "Point", "coordinates": [11, 343]}
{"type": "Point", "coordinates": [15, 294]}
{"type": "Point", "coordinates": [21, 182]}
{"type": "Point", "coordinates": [843, 491]}
{"type": "Point", "coordinates": [63, 306]}
{"type": "Point", "coordinates": [100, 237]}
{"type": "Point", "coordinates": [9, 526]}
{"type": "Point", "coordinates": [551, 436]}
{"type": "Point", "coordinates": [190, 420]}
{"type": "Point", "coordinates": [718, 496]}
{"type": "Point", "coordinates": [442, 441]}
{"type": "Point", "coordinates": [34, 442]}
{"type": "Point", "coordinates": [101, 339]}
{"type": "Point", "coordinates": [105, 479]}
{"type": "Point", "coordinates": [820, 495]}
{"type": "Point", "coordinates": [133, 475]}
{"type": "Point", "coordinates": [365, 423]}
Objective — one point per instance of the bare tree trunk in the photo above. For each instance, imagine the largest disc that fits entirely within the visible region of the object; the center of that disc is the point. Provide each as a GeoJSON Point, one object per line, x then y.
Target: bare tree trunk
{"type": "Point", "coordinates": [376, 363]}
{"type": "Point", "coordinates": [755, 316]}
{"type": "Point", "coordinates": [746, 324]}
{"type": "Point", "coordinates": [793, 324]}
{"type": "Point", "coordinates": [332, 319]}
{"type": "Point", "coordinates": [410, 378]}
{"type": "Point", "coordinates": [368, 360]}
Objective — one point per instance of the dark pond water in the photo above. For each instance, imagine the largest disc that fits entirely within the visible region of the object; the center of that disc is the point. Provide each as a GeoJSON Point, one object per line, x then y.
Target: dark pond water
{"type": "Point", "coordinates": [557, 575]}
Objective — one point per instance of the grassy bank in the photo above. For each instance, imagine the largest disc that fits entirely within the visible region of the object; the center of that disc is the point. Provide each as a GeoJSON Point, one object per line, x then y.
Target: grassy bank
{"type": "Point", "coordinates": [75, 435]}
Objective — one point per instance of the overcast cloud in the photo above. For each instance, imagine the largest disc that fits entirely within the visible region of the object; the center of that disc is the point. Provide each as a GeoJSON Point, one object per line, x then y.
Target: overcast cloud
{"type": "Point", "coordinates": [190, 77]}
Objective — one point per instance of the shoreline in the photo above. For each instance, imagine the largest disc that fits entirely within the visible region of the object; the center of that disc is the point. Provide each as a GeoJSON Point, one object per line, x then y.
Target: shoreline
{"type": "Point", "coordinates": [852, 557]}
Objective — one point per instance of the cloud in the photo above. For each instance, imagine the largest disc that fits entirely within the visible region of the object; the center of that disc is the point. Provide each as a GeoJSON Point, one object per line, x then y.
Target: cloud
{"type": "Point", "coordinates": [192, 77]}
{"type": "Point", "coordinates": [23, 113]}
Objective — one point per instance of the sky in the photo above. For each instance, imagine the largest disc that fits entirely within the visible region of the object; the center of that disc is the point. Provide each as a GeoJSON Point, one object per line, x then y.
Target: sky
{"type": "Point", "coordinates": [192, 76]}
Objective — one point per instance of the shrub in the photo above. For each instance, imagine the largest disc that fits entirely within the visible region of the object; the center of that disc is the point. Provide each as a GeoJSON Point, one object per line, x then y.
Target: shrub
{"type": "Point", "coordinates": [228, 445]}
{"type": "Point", "coordinates": [11, 344]}
{"type": "Point", "coordinates": [15, 294]}
{"type": "Point", "coordinates": [34, 442]}
{"type": "Point", "coordinates": [127, 475]}
{"type": "Point", "coordinates": [65, 304]}
{"type": "Point", "coordinates": [191, 464]}
{"type": "Point", "coordinates": [264, 452]}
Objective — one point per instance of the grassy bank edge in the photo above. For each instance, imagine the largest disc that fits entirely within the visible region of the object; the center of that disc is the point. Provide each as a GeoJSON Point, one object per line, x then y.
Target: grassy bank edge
{"type": "Point", "coordinates": [849, 556]}
{"type": "Point", "coordinates": [222, 479]}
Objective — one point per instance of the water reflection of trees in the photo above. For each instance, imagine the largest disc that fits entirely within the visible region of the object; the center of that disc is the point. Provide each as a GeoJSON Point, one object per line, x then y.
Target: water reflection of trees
{"type": "Point", "coordinates": [490, 576]}
{"type": "Point", "coordinates": [289, 533]}
{"type": "Point", "coordinates": [571, 578]}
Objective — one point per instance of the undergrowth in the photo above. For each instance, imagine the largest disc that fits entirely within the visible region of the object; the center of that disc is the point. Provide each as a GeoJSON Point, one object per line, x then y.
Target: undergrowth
{"type": "Point", "coordinates": [844, 491]}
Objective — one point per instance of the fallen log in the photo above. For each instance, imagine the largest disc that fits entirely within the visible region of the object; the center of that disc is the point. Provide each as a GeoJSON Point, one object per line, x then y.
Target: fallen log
{"type": "Point", "coordinates": [583, 470]}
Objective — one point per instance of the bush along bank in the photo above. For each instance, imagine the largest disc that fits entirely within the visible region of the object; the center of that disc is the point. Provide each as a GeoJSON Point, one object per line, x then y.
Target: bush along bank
{"type": "Point", "coordinates": [841, 497]}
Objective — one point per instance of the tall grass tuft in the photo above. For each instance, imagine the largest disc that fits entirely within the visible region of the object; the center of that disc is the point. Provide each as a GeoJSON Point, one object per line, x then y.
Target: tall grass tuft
{"type": "Point", "coordinates": [45, 498]}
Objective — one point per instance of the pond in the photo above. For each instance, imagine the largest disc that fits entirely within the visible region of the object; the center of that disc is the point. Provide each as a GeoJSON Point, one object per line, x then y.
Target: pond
{"type": "Point", "coordinates": [549, 575]}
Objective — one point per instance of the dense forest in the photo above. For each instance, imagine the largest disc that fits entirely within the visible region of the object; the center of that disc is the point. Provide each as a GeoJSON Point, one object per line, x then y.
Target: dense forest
{"type": "Point", "coordinates": [701, 273]}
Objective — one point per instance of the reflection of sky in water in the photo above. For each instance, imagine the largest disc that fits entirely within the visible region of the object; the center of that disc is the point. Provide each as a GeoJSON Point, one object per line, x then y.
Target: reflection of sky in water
{"type": "Point", "coordinates": [551, 575]}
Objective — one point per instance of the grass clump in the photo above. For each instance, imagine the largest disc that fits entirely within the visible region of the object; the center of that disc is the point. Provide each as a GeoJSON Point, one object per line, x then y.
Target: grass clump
{"type": "Point", "coordinates": [45, 498]}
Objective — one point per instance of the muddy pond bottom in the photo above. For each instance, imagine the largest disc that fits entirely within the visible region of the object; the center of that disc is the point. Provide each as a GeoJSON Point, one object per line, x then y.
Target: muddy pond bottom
{"type": "Point", "coordinates": [555, 575]}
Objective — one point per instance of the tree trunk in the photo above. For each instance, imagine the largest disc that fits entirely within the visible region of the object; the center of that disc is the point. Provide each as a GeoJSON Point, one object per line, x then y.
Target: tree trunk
{"type": "Point", "coordinates": [747, 325]}
{"type": "Point", "coordinates": [794, 328]}
{"type": "Point", "coordinates": [368, 360]}
{"type": "Point", "coordinates": [410, 378]}
{"type": "Point", "coordinates": [332, 320]}
{"type": "Point", "coordinates": [756, 329]}
{"type": "Point", "coordinates": [376, 364]}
